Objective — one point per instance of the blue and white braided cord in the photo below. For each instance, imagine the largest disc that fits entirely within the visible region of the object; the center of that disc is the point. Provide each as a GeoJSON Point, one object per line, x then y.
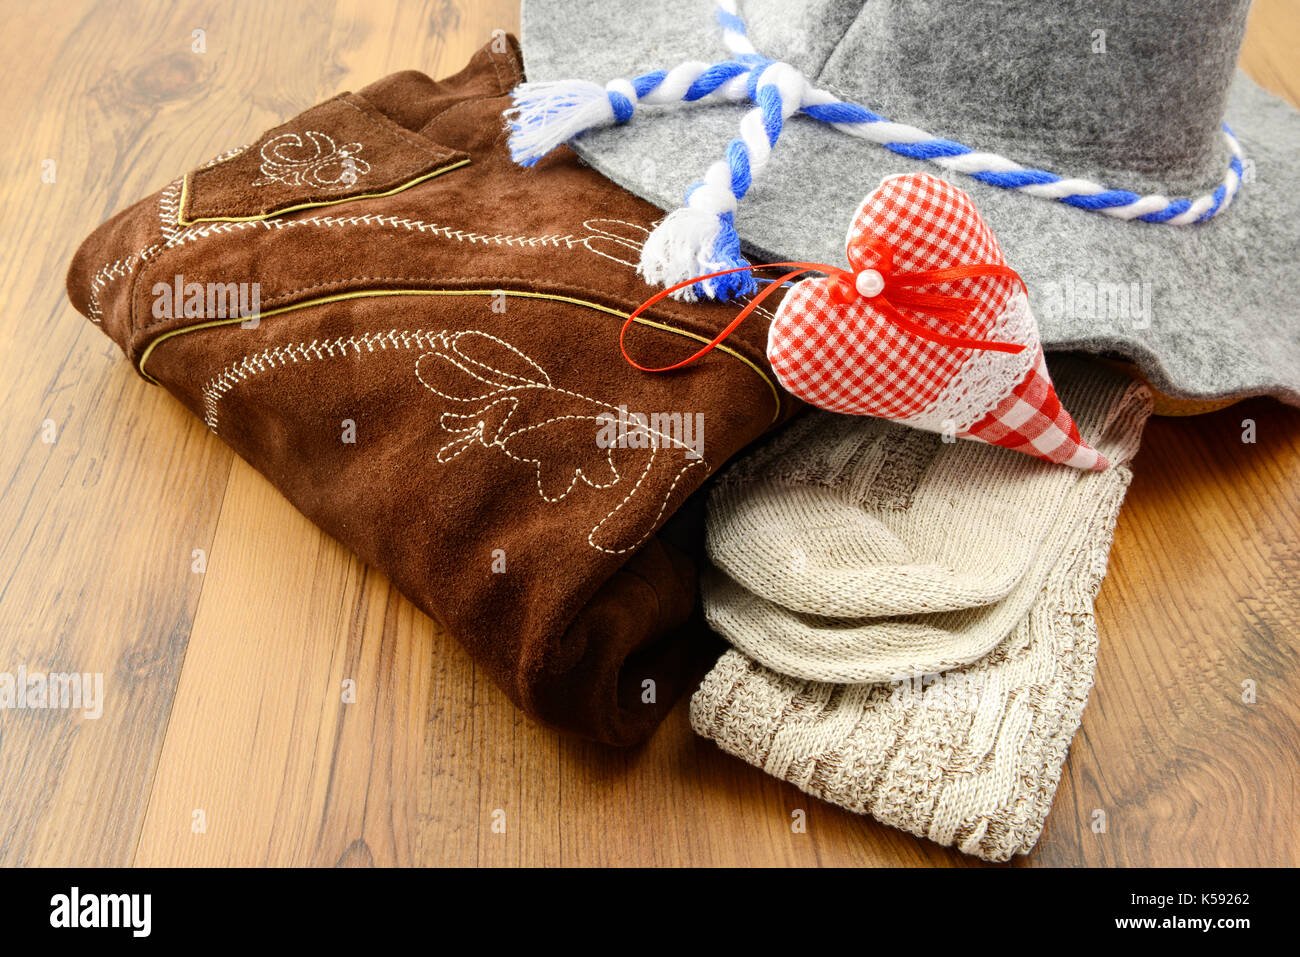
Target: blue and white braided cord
{"type": "Point", "coordinates": [701, 237]}
{"type": "Point", "coordinates": [992, 168]}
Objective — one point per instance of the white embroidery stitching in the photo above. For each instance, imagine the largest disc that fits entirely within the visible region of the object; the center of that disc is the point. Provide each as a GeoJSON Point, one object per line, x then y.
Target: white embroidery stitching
{"type": "Point", "coordinates": [169, 223]}
{"type": "Point", "coordinates": [633, 243]}
{"type": "Point", "coordinates": [500, 440]}
{"type": "Point", "coordinates": [278, 356]}
{"type": "Point", "coordinates": [124, 267]}
{"type": "Point", "coordinates": [109, 272]}
{"type": "Point", "coordinates": [328, 166]}
{"type": "Point", "coordinates": [373, 219]}
{"type": "Point", "coordinates": [445, 346]}
{"type": "Point", "coordinates": [169, 209]}
{"type": "Point", "coordinates": [222, 157]}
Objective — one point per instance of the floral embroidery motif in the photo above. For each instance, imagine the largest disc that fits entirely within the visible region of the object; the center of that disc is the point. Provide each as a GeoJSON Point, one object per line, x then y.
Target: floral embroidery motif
{"type": "Point", "coordinates": [499, 400]}
{"type": "Point", "coordinates": [317, 162]}
{"type": "Point", "coordinates": [504, 402]}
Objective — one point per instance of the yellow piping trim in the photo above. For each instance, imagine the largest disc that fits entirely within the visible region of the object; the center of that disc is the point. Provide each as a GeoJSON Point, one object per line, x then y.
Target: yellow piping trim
{"type": "Point", "coordinates": [367, 293]}
{"type": "Point", "coordinates": [185, 192]}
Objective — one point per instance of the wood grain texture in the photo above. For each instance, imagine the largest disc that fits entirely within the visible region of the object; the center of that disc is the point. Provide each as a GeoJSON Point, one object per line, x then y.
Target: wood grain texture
{"type": "Point", "coordinates": [225, 690]}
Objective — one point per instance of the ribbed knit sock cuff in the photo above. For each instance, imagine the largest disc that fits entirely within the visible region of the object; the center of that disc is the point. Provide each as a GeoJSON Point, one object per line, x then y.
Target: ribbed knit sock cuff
{"type": "Point", "coordinates": [864, 649]}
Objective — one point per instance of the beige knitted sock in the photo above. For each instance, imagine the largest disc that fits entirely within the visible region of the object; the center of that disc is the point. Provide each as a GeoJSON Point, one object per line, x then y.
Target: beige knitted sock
{"type": "Point", "coordinates": [866, 650]}
{"type": "Point", "coordinates": [853, 517]}
{"type": "Point", "coordinates": [971, 757]}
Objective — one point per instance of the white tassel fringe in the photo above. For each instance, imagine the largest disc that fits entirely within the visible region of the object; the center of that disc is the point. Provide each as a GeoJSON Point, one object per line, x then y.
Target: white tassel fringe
{"type": "Point", "coordinates": [544, 115]}
{"type": "Point", "coordinates": [685, 245]}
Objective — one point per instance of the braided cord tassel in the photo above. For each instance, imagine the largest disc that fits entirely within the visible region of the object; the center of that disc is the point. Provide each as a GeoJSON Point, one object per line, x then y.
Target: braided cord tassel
{"type": "Point", "coordinates": [700, 238]}
{"type": "Point", "coordinates": [544, 115]}
{"type": "Point", "coordinates": [1005, 173]}
{"type": "Point", "coordinates": [992, 168]}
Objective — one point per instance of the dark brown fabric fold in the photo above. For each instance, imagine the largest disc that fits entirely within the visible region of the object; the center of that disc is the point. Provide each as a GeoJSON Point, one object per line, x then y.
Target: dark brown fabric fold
{"type": "Point", "coordinates": [433, 356]}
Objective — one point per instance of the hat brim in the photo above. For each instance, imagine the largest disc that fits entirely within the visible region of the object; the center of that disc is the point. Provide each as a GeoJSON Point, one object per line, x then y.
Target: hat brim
{"type": "Point", "coordinates": [1214, 314]}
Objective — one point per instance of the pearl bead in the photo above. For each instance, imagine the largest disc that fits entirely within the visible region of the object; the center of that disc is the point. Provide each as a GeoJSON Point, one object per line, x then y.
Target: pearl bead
{"type": "Point", "coordinates": [870, 283]}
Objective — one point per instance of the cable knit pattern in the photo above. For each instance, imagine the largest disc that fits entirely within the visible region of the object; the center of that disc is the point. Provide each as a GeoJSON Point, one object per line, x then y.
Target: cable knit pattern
{"type": "Point", "coordinates": [858, 518]}
{"type": "Point", "coordinates": [970, 756]}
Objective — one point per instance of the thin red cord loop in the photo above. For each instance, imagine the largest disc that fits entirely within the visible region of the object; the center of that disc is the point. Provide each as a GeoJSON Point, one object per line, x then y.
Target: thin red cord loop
{"type": "Point", "coordinates": [897, 292]}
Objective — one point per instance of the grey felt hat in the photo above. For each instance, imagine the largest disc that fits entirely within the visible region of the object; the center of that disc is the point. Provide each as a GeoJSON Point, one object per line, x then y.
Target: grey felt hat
{"type": "Point", "coordinates": [1129, 95]}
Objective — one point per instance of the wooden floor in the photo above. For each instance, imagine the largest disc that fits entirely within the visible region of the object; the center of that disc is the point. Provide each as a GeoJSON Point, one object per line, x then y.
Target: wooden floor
{"type": "Point", "coordinates": [223, 738]}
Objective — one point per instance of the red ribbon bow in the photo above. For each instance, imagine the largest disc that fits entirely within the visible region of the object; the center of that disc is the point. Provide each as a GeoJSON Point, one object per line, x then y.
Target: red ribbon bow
{"type": "Point", "coordinates": [885, 289]}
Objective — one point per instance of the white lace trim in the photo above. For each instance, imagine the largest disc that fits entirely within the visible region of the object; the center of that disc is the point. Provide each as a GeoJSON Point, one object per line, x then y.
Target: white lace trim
{"type": "Point", "coordinates": [987, 377]}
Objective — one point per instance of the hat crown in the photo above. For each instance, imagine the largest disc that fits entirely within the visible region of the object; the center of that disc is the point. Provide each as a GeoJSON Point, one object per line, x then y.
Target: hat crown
{"type": "Point", "coordinates": [1104, 89]}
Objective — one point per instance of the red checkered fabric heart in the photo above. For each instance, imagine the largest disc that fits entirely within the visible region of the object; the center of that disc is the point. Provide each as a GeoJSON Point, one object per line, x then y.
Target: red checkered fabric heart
{"type": "Point", "coordinates": [842, 350]}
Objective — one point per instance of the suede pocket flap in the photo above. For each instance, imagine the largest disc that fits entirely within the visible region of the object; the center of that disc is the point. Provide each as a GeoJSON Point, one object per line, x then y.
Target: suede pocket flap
{"type": "Point", "coordinates": [342, 150]}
